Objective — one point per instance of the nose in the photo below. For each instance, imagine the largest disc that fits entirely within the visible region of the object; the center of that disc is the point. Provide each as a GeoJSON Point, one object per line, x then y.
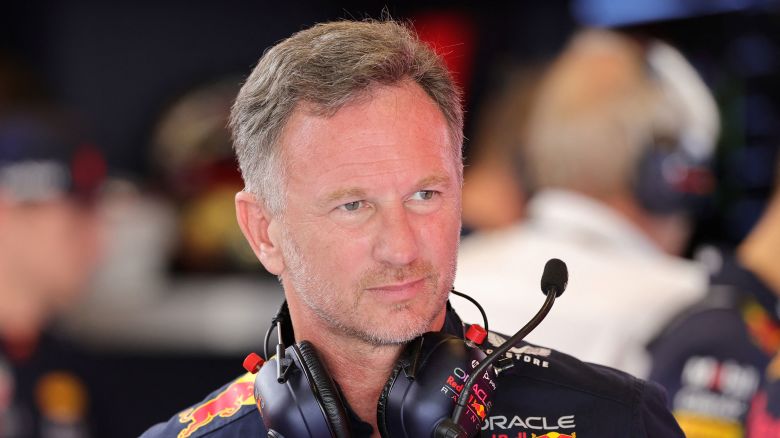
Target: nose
{"type": "Point", "coordinates": [397, 241]}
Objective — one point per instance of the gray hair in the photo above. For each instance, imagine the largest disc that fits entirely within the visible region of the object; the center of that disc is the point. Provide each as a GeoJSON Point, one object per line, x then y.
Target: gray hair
{"type": "Point", "coordinates": [327, 67]}
{"type": "Point", "coordinates": [599, 107]}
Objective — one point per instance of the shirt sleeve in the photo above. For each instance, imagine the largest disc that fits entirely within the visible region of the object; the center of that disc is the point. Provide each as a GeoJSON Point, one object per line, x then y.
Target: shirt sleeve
{"type": "Point", "coordinates": [154, 431]}
{"type": "Point", "coordinates": [655, 419]}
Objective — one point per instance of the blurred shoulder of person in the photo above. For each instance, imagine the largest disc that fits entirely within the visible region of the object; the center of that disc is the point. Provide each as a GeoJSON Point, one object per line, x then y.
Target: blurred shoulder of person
{"type": "Point", "coordinates": [719, 358]}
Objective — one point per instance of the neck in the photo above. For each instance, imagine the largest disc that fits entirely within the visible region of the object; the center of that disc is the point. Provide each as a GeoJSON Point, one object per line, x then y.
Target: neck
{"type": "Point", "coordinates": [758, 252]}
{"type": "Point", "coordinates": [669, 233]}
{"type": "Point", "coordinates": [361, 369]}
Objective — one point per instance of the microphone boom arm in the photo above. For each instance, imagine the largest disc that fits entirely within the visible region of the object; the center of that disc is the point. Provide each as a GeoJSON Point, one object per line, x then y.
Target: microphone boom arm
{"type": "Point", "coordinates": [501, 351]}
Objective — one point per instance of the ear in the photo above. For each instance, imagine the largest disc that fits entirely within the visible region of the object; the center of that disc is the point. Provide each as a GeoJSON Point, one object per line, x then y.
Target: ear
{"type": "Point", "coordinates": [261, 231]}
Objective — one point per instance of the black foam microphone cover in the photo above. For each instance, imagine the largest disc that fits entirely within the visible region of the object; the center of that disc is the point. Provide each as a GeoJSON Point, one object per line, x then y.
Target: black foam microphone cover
{"type": "Point", "coordinates": [555, 277]}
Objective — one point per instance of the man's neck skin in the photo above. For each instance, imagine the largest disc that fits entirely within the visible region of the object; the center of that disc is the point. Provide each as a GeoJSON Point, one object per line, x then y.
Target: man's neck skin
{"type": "Point", "coordinates": [758, 252]}
{"type": "Point", "coordinates": [361, 369]}
{"type": "Point", "coordinates": [670, 233]}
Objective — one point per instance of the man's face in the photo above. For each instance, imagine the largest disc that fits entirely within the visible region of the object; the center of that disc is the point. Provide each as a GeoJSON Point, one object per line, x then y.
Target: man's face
{"type": "Point", "coordinates": [371, 228]}
{"type": "Point", "coordinates": [54, 245]}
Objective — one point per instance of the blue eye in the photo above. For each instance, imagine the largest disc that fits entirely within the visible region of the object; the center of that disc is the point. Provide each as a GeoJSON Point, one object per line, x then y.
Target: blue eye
{"type": "Point", "coordinates": [352, 206]}
{"type": "Point", "coordinates": [424, 195]}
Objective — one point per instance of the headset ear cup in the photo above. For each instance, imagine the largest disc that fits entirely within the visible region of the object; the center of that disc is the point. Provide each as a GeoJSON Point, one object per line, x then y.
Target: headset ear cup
{"type": "Point", "coordinates": [326, 392]}
{"type": "Point", "coordinates": [422, 389]}
{"type": "Point", "coordinates": [381, 407]}
{"type": "Point", "coordinates": [653, 188]}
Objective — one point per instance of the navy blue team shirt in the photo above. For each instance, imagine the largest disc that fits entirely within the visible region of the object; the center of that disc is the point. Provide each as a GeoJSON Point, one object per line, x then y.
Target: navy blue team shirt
{"type": "Point", "coordinates": [546, 394]}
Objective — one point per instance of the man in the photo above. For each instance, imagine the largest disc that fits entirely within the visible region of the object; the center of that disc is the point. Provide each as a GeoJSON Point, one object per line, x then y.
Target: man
{"type": "Point", "coordinates": [49, 246]}
{"type": "Point", "coordinates": [611, 155]}
{"type": "Point", "coordinates": [349, 139]}
{"type": "Point", "coordinates": [758, 254]}
{"type": "Point", "coordinates": [716, 355]}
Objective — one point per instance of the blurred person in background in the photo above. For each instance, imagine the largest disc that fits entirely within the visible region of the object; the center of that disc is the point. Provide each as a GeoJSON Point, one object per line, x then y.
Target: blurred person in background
{"type": "Point", "coordinates": [493, 194]}
{"type": "Point", "coordinates": [612, 153]}
{"type": "Point", "coordinates": [177, 274]}
{"type": "Point", "coordinates": [715, 355]}
{"type": "Point", "coordinates": [759, 255]}
{"type": "Point", "coordinates": [49, 246]}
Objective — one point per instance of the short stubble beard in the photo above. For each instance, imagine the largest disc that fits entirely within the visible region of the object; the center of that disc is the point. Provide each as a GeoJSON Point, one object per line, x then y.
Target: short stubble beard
{"type": "Point", "coordinates": [316, 295]}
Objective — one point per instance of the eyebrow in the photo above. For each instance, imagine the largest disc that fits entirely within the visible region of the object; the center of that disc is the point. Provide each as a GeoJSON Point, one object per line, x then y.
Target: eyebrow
{"type": "Point", "coordinates": [433, 180]}
{"type": "Point", "coordinates": [352, 192]}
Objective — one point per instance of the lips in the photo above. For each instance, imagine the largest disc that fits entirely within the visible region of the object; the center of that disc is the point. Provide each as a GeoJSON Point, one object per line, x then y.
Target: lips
{"type": "Point", "coordinates": [398, 291]}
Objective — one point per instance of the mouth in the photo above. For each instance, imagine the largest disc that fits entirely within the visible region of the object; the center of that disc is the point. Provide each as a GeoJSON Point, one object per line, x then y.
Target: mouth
{"type": "Point", "coordinates": [402, 291]}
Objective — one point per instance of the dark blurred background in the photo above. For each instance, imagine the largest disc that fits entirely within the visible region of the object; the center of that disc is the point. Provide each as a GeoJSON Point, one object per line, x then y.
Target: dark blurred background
{"type": "Point", "coordinates": [139, 75]}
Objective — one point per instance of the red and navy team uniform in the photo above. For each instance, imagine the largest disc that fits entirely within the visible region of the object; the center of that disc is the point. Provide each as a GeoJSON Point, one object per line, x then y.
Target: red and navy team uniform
{"type": "Point", "coordinates": [712, 357]}
{"type": "Point", "coordinates": [545, 394]}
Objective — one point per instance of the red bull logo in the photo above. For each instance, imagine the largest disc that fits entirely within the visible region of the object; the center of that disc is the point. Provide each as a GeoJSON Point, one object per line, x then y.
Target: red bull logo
{"type": "Point", "coordinates": [478, 409]}
{"type": "Point", "coordinates": [554, 435]}
{"type": "Point", "coordinates": [225, 404]}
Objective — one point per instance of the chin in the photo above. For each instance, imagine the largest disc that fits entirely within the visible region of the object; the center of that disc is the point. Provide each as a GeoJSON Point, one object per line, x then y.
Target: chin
{"type": "Point", "coordinates": [400, 326]}
{"type": "Point", "coordinates": [391, 337]}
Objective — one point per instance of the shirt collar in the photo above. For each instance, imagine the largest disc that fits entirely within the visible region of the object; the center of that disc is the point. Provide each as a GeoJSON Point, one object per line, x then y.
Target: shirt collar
{"type": "Point", "coordinates": [453, 325]}
{"type": "Point", "coordinates": [578, 217]}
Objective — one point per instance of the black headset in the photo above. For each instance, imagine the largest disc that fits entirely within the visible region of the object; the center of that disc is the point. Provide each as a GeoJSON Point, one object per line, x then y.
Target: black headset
{"type": "Point", "coordinates": [297, 398]}
{"type": "Point", "coordinates": [441, 387]}
{"type": "Point", "coordinates": [674, 174]}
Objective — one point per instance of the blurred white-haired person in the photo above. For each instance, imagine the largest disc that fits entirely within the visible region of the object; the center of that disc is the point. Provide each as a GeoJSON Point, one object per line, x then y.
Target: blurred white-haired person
{"type": "Point", "coordinates": [614, 156]}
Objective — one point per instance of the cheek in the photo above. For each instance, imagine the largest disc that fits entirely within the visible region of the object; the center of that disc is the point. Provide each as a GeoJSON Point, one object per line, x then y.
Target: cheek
{"type": "Point", "coordinates": [332, 250]}
{"type": "Point", "coordinates": [46, 237]}
{"type": "Point", "coordinates": [346, 253]}
{"type": "Point", "coordinates": [442, 234]}
{"type": "Point", "coordinates": [73, 242]}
